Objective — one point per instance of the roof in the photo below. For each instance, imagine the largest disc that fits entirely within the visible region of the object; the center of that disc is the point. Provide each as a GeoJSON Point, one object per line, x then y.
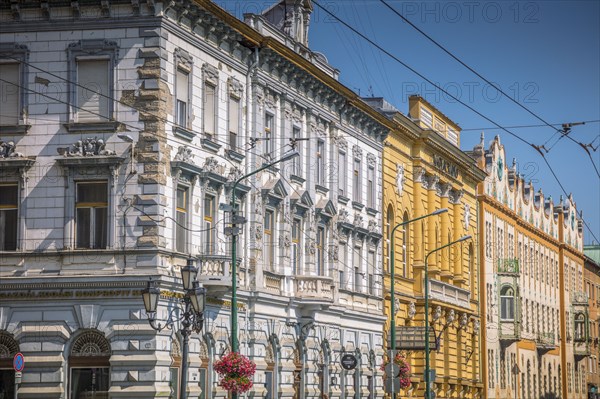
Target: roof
{"type": "Point", "coordinates": [592, 252]}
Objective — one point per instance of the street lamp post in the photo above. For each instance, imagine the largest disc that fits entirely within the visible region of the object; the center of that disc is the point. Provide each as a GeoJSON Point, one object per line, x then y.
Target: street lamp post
{"type": "Point", "coordinates": [393, 278]}
{"type": "Point", "coordinates": [427, 376]}
{"type": "Point", "coordinates": [192, 319]}
{"type": "Point", "coordinates": [234, 234]}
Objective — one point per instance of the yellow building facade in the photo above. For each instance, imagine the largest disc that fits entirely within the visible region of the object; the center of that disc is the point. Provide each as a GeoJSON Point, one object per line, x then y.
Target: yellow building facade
{"type": "Point", "coordinates": [424, 170]}
{"type": "Point", "coordinates": [534, 310]}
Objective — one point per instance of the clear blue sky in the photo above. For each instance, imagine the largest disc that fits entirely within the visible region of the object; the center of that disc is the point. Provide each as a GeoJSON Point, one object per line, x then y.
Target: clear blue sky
{"type": "Point", "coordinates": [546, 54]}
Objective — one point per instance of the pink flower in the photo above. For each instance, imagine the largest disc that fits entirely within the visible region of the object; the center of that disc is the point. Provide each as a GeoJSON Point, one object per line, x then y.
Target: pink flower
{"type": "Point", "coordinates": [236, 372]}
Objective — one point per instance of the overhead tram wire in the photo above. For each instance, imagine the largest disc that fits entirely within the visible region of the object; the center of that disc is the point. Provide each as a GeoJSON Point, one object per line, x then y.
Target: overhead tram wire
{"type": "Point", "coordinates": [386, 52]}
{"type": "Point", "coordinates": [519, 126]}
{"type": "Point", "coordinates": [444, 49]}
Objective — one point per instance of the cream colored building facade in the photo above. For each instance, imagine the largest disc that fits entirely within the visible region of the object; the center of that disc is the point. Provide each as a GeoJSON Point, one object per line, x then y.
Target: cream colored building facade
{"type": "Point", "coordinates": [534, 308]}
{"type": "Point", "coordinates": [423, 171]}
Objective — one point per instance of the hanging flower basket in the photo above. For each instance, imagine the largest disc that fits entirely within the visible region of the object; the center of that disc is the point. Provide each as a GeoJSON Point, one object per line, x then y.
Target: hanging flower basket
{"type": "Point", "coordinates": [405, 374]}
{"type": "Point", "coordinates": [236, 372]}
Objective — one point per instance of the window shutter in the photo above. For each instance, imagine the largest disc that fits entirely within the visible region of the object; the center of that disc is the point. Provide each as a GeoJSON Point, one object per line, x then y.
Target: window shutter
{"type": "Point", "coordinates": [209, 109]}
{"type": "Point", "coordinates": [182, 86]}
{"type": "Point", "coordinates": [9, 94]}
{"type": "Point", "coordinates": [92, 91]}
{"type": "Point", "coordinates": [234, 115]}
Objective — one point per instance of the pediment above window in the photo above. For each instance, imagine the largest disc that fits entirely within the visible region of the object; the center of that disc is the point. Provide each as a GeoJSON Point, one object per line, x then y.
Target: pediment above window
{"type": "Point", "coordinates": [274, 190]}
{"type": "Point", "coordinates": [301, 201]}
{"type": "Point", "coordinates": [326, 210]}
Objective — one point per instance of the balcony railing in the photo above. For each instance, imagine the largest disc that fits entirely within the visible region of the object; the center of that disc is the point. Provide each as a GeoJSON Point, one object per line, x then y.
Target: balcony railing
{"type": "Point", "coordinates": [215, 273]}
{"type": "Point", "coordinates": [508, 266]}
{"type": "Point", "coordinates": [510, 331]}
{"type": "Point", "coordinates": [449, 293]}
{"type": "Point", "coordinates": [546, 340]}
{"type": "Point", "coordinates": [314, 287]}
{"type": "Point", "coordinates": [581, 349]}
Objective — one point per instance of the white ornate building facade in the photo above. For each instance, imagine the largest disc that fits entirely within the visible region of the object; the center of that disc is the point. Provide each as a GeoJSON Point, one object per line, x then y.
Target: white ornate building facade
{"type": "Point", "coordinates": [535, 313]}
{"type": "Point", "coordinates": [123, 126]}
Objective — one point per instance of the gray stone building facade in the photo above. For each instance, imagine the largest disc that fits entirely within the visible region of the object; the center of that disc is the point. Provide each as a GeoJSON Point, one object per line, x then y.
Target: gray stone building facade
{"type": "Point", "coordinates": [123, 126]}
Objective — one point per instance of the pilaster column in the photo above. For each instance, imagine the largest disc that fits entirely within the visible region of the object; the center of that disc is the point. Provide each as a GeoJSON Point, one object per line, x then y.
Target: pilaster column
{"type": "Point", "coordinates": [443, 189]}
{"type": "Point", "coordinates": [455, 197]}
{"type": "Point", "coordinates": [432, 180]}
{"type": "Point", "coordinates": [419, 234]}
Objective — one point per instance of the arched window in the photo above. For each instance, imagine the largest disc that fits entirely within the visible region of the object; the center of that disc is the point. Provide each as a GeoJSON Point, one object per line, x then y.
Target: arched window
{"type": "Point", "coordinates": [507, 303]}
{"type": "Point", "coordinates": [580, 327]}
{"type": "Point", "coordinates": [89, 366]}
{"type": "Point", "coordinates": [8, 349]}
{"type": "Point", "coordinates": [404, 245]}
{"type": "Point", "coordinates": [389, 221]}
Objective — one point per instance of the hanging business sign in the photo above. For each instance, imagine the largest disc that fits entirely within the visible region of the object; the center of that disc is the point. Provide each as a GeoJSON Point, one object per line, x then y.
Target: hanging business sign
{"type": "Point", "coordinates": [349, 361]}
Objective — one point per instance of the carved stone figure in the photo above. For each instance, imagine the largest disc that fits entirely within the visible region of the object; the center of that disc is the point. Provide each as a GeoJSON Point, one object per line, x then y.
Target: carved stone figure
{"type": "Point", "coordinates": [184, 154]}
{"type": "Point", "coordinates": [211, 165]}
{"type": "Point", "coordinates": [8, 150]}
{"type": "Point", "coordinates": [343, 215]}
{"type": "Point", "coordinates": [88, 147]}
{"type": "Point", "coordinates": [400, 179]}
{"type": "Point", "coordinates": [412, 310]}
{"type": "Point", "coordinates": [467, 216]}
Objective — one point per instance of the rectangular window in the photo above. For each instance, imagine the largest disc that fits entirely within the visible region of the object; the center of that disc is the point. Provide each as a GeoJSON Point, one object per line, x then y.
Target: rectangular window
{"type": "Point", "coordinates": [269, 134]}
{"type": "Point", "coordinates": [296, 231]}
{"type": "Point", "coordinates": [93, 90]}
{"type": "Point", "coordinates": [210, 110]}
{"type": "Point", "coordinates": [320, 251]}
{"type": "Point", "coordinates": [91, 218]}
{"type": "Point", "coordinates": [234, 122]}
{"type": "Point", "coordinates": [342, 181]}
{"type": "Point", "coordinates": [321, 162]}
{"type": "Point", "coordinates": [9, 206]}
{"type": "Point", "coordinates": [371, 272]}
{"type": "Point", "coordinates": [426, 117]}
{"type": "Point", "coordinates": [345, 270]}
{"type": "Point", "coordinates": [86, 380]}
{"type": "Point", "coordinates": [181, 216]}
{"type": "Point", "coordinates": [452, 136]}
{"type": "Point", "coordinates": [371, 190]}
{"type": "Point", "coordinates": [269, 239]}
{"type": "Point", "coordinates": [358, 283]}
{"type": "Point", "coordinates": [297, 161]}
{"type": "Point", "coordinates": [182, 93]}
{"type": "Point", "coordinates": [356, 181]}
{"type": "Point", "coordinates": [209, 225]}
{"type": "Point", "coordinates": [9, 93]}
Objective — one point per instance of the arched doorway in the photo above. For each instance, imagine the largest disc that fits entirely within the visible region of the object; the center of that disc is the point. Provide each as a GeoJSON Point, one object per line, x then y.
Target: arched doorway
{"type": "Point", "coordinates": [89, 366]}
{"type": "Point", "coordinates": [8, 349]}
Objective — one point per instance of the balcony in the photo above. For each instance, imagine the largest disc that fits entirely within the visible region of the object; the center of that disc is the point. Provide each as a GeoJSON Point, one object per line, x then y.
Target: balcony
{"type": "Point", "coordinates": [448, 293]}
{"type": "Point", "coordinates": [508, 266]}
{"type": "Point", "coordinates": [581, 350]}
{"type": "Point", "coordinates": [579, 298]}
{"type": "Point", "coordinates": [545, 342]}
{"type": "Point", "coordinates": [215, 273]}
{"type": "Point", "coordinates": [314, 287]}
{"type": "Point", "coordinates": [510, 331]}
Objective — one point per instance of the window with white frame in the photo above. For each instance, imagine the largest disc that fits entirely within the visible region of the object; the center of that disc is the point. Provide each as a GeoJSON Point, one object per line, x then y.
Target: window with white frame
{"type": "Point", "coordinates": [93, 90]}
{"type": "Point", "coordinates": [297, 161]}
{"type": "Point", "coordinates": [320, 170]}
{"type": "Point", "coordinates": [269, 230]}
{"type": "Point", "coordinates": [371, 190]}
{"type": "Point", "coordinates": [10, 92]}
{"type": "Point", "coordinates": [579, 327]}
{"type": "Point", "coordinates": [507, 303]}
{"type": "Point", "coordinates": [343, 175]}
{"type": "Point", "coordinates": [209, 224]}
{"type": "Point", "coordinates": [181, 216]}
{"type": "Point", "coordinates": [234, 122]}
{"type": "Point", "coordinates": [371, 273]}
{"type": "Point", "coordinates": [182, 101]}
{"type": "Point", "coordinates": [320, 251]}
{"type": "Point", "coordinates": [356, 188]}
{"type": "Point", "coordinates": [343, 265]}
{"type": "Point", "coordinates": [269, 134]}
{"type": "Point", "coordinates": [296, 245]}
{"type": "Point", "coordinates": [356, 263]}
{"type": "Point", "coordinates": [92, 73]}
{"type": "Point", "coordinates": [209, 112]}
{"type": "Point", "coordinates": [91, 214]}
{"type": "Point", "coordinates": [9, 209]}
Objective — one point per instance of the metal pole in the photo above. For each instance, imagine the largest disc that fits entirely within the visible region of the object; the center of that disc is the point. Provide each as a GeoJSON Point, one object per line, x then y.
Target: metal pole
{"type": "Point", "coordinates": [185, 332]}
{"type": "Point", "coordinates": [393, 283]}
{"type": "Point", "coordinates": [16, 388]}
{"type": "Point", "coordinates": [427, 376]}
{"type": "Point", "coordinates": [234, 310]}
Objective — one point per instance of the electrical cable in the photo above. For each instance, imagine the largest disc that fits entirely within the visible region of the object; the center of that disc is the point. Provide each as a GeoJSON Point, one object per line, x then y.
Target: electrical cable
{"type": "Point", "coordinates": [537, 148]}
